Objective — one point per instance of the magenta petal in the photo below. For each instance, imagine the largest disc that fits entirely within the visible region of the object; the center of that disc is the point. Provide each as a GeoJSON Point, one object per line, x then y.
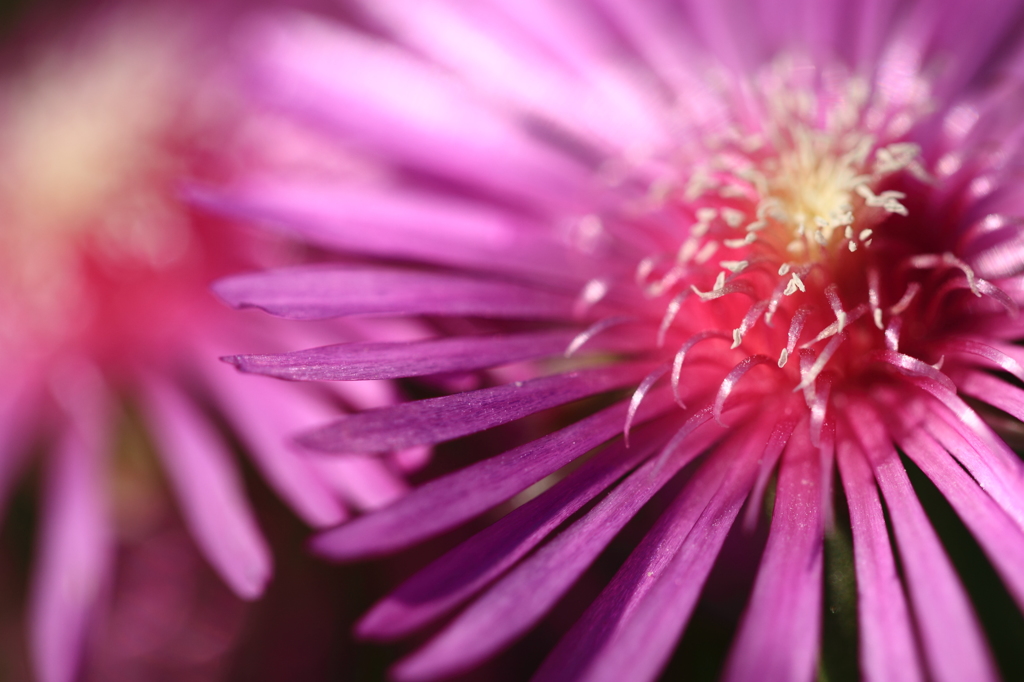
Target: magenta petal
{"type": "Point", "coordinates": [521, 598]}
{"type": "Point", "coordinates": [466, 569]}
{"type": "Point", "coordinates": [395, 223]}
{"type": "Point", "coordinates": [76, 550]}
{"type": "Point", "coordinates": [316, 292]}
{"type": "Point", "coordinates": [628, 633]}
{"type": "Point", "coordinates": [446, 502]}
{"type": "Point", "coordinates": [951, 636]}
{"type": "Point", "coordinates": [995, 392]}
{"type": "Point", "coordinates": [997, 534]}
{"type": "Point", "coordinates": [778, 637]}
{"type": "Point", "coordinates": [887, 647]}
{"type": "Point", "coordinates": [356, 361]}
{"type": "Point", "coordinates": [364, 483]}
{"type": "Point", "coordinates": [301, 65]}
{"type": "Point", "coordinates": [999, 478]}
{"type": "Point", "coordinates": [265, 417]}
{"type": "Point", "coordinates": [209, 490]}
{"type": "Point", "coordinates": [439, 419]}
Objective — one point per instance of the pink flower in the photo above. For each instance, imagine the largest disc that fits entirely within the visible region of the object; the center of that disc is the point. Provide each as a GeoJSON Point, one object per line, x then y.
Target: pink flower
{"type": "Point", "coordinates": [790, 230]}
{"type": "Point", "coordinates": [108, 321]}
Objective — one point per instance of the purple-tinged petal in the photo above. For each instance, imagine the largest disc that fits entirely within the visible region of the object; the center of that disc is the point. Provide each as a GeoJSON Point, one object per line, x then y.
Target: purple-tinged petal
{"type": "Point", "coordinates": [446, 502]}
{"type": "Point", "coordinates": [356, 361]}
{"type": "Point", "coordinates": [463, 571]}
{"type": "Point", "coordinates": [393, 223]}
{"type": "Point", "coordinates": [366, 484]}
{"type": "Point", "coordinates": [994, 391]}
{"type": "Point", "coordinates": [76, 547]}
{"type": "Point", "coordinates": [888, 650]}
{"type": "Point", "coordinates": [951, 637]}
{"type": "Point", "coordinates": [585, 95]}
{"type": "Point", "coordinates": [778, 636]}
{"type": "Point", "coordinates": [439, 419]}
{"type": "Point", "coordinates": [265, 418]}
{"type": "Point", "coordinates": [319, 292]}
{"type": "Point", "coordinates": [628, 633]}
{"type": "Point", "coordinates": [209, 489]}
{"type": "Point", "coordinates": [979, 458]}
{"type": "Point", "coordinates": [517, 601]}
{"type": "Point", "coordinates": [998, 535]}
{"type": "Point", "coordinates": [300, 65]}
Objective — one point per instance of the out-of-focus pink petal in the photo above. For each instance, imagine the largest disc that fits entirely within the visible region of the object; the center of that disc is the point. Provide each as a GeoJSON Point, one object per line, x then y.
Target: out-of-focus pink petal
{"type": "Point", "coordinates": [1001, 539]}
{"type": "Point", "coordinates": [449, 131]}
{"type": "Point", "coordinates": [266, 417]}
{"type": "Point", "coordinates": [209, 489]}
{"type": "Point", "coordinates": [366, 484]}
{"type": "Point", "coordinates": [76, 550]}
{"type": "Point", "coordinates": [390, 222]}
{"type": "Point", "coordinates": [319, 292]}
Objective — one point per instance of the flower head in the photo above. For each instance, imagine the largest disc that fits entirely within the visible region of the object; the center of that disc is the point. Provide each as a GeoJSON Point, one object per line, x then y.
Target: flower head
{"type": "Point", "coordinates": [108, 321]}
{"type": "Point", "coordinates": [797, 246]}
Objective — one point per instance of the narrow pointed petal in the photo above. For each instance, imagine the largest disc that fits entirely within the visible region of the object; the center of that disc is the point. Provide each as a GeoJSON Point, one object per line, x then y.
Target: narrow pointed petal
{"type": "Point", "coordinates": [627, 632]}
{"type": "Point", "coordinates": [523, 596]}
{"type": "Point", "coordinates": [320, 292]}
{"type": "Point", "coordinates": [209, 489]}
{"type": "Point", "coordinates": [457, 575]}
{"type": "Point", "coordinates": [265, 417]}
{"type": "Point", "coordinates": [951, 637]}
{"type": "Point", "coordinates": [449, 132]}
{"type": "Point", "coordinates": [998, 535]}
{"type": "Point", "coordinates": [439, 419]}
{"type": "Point", "coordinates": [76, 548]}
{"type": "Point", "coordinates": [358, 361]}
{"type": "Point", "coordinates": [888, 647]}
{"type": "Point", "coordinates": [366, 484]}
{"type": "Point", "coordinates": [779, 633]}
{"type": "Point", "coordinates": [446, 502]}
{"type": "Point", "coordinates": [392, 223]}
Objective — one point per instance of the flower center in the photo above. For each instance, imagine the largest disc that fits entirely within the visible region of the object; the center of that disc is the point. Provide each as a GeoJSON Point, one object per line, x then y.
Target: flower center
{"type": "Point", "coordinates": [799, 241]}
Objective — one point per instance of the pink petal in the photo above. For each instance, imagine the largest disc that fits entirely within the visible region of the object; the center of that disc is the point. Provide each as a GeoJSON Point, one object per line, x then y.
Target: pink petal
{"type": "Point", "coordinates": [355, 361]}
{"type": "Point", "coordinates": [628, 633]}
{"type": "Point", "coordinates": [265, 417]}
{"type": "Point", "coordinates": [523, 596]}
{"type": "Point", "coordinates": [445, 502]}
{"type": "Point", "coordinates": [779, 634]}
{"type": "Point", "coordinates": [320, 292]}
{"type": "Point", "coordinates": [998, 535]}
{"type": "Point", "coordinates": [888, 649]}
{"type": "Point", "coordinates": [463, 571]}
{"type": "Point", "coordinates": [76, 550]}
{"type": "Point", "coordinates": [953, 643]}
{"type": "Point", "coordinates": [209, 489]}
{"type": "Point", "coordinates": [302, 66]}
{"type": "Point", "coordinates": [439, 419]}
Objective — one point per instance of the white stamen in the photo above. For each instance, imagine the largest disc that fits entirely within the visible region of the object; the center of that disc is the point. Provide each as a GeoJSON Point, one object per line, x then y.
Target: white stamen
{"type": "Point", "coordinates": [795, 283]}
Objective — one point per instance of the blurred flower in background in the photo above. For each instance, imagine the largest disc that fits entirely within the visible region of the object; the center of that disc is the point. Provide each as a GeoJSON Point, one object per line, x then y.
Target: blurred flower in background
{"type": "Point", "coordinates": [110, 339]}
{"type": "Point", "coordinates": [776, 246]}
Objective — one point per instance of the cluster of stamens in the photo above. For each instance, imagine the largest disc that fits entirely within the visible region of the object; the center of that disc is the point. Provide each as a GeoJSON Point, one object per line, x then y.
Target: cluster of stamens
{"type": "Point", "coordinates": [785, 216]}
